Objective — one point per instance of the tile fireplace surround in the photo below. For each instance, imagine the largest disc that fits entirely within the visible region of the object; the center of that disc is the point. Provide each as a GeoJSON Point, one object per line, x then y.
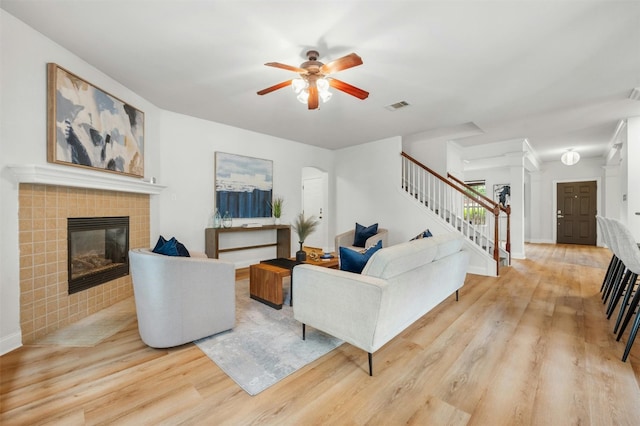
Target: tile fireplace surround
{"type": "Point", "coordinates": [45, 305]}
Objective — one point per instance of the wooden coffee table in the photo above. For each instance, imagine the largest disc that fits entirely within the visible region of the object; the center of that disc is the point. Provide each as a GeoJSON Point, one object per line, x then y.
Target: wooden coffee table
{"type": "Point", "coordinates": [265, 279]}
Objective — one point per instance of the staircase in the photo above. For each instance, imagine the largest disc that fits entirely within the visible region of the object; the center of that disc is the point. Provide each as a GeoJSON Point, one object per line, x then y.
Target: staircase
{"type": "Point", "coordinates": [461, 207]}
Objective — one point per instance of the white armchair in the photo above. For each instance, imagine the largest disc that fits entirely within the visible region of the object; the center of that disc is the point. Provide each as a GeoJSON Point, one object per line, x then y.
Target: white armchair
{"type": "Point", "coordinates": [346, 239]}
{"type": "Point", "coordinates": [181, 299]}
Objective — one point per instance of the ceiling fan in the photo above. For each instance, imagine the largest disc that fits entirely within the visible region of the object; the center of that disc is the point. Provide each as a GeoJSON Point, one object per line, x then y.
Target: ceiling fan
{"type": "Point", "coordinates": [314, 81]}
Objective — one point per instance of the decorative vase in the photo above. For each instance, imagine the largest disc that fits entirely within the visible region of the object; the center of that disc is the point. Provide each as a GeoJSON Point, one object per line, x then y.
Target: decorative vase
{"type": "Point", "coordinates": [301, 255]}
{"type": "Point", "coordinates": [277, 221]}
{"type": "Point", "coordinates": [217, 219]}
{"type": "Point", "coordinates": [226, 220]}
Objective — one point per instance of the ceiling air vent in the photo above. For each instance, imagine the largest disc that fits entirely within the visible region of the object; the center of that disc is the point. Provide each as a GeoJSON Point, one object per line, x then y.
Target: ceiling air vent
{"type": "Point", "coordinates": [397, 105]}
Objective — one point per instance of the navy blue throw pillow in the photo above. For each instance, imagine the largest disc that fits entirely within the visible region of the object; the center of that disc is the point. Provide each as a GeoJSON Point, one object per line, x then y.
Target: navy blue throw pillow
{"type": "Point", "coordinates": [364, 233]}
{"type": "Point", "coordinates": [170, 247]}
{"type": "Point", "coordinates": [182, 250]}
{"type": "Point", "coordinates": [159, 244]}
{"type": "Point", "coordinates": [354, 261]}
{"type": "Point", "coordinates": [423, 234]}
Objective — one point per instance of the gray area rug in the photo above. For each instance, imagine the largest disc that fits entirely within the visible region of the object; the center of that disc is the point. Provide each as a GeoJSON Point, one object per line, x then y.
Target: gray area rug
{"type": "Point", "coordinates": [266, 345]}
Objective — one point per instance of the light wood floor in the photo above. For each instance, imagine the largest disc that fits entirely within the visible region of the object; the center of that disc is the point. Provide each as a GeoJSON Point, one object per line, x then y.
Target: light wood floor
{"type": "Point", "coordinates": [530, 347]}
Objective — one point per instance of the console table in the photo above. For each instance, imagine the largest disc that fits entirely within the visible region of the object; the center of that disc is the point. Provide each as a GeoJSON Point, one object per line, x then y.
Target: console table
{"type": "Point", "coordinates": [282, 243]}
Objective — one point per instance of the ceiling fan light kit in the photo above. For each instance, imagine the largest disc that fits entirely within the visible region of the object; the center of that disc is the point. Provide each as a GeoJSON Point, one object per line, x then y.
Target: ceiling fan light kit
{"type": "Point", "coordinates": [313, 83]}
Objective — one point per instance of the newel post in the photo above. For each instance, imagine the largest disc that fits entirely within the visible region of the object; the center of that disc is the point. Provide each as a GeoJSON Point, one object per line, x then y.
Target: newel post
{"type": "Point", "coordinates": [508, 247]}
{"type": "Point", "coordinates": [496, 235]}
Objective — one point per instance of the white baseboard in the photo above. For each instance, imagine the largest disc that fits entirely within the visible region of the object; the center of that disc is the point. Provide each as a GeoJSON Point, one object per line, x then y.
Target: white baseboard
{"type": "Point", "coordinates": [10, 342]}
{"type": "Point", "coordinates": [518, 255]}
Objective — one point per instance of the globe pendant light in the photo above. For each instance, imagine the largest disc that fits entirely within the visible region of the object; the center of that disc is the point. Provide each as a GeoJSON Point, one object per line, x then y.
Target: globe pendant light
{"type": "Point", "coordinates": [570, 158]}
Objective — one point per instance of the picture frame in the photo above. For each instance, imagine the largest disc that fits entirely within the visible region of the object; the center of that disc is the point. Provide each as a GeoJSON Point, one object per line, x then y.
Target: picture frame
{"type": "Point", "coordinates": [502, 194]}
{"type": "Point", "coordinates": [243, 185]}
{"type": "Point", "coordinates": [90, 128]}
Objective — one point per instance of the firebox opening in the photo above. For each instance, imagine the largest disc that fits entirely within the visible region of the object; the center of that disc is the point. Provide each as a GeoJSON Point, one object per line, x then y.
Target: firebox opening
{"type": "Point", "coordinates": [98, 250]}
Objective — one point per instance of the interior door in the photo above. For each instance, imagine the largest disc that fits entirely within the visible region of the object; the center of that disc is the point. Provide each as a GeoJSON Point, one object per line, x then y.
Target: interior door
{"type": "Point", "coordinates": [576, 214]}
{"type": "Point", "coordinates": [312, 205]}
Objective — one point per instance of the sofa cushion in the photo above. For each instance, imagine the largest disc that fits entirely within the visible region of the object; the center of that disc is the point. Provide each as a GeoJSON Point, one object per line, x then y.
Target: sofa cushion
{"type": "Point", "coordinates": [354, 261]}
{"type": "Point", "coordinates": [400, 258]}
{"type": "Point", "coordinates": [424, 234]}
{"type": "Point", "coordinates": [448, 244]}
{"type": "Point", "coordinates": [363, 233]}
{"type": "Point", "coordinates": [170, 247]}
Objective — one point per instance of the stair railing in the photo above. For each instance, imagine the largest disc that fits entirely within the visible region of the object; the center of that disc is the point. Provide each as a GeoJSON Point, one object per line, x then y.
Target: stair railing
{"type": "Point", "coordinates": [506, 210]}
{"type": "Point", "coordinates": [461, 208]}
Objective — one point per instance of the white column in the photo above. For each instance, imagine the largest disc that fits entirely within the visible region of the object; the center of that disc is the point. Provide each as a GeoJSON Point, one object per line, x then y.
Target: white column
{"type": "Point", "coordinates": [633, 176]}
{"type": "Point", "coordinates": [516, 175]}
{"type": "Point", "coordinates": [534, 212]}
{"type": "Point", "coordinates": [611, 196]}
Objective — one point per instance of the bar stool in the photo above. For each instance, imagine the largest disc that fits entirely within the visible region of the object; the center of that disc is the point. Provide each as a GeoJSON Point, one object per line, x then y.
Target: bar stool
{"type": "Point", "coordinates": [622, 285]}
{"type": "Point", "coordinates": [630, 255]}
{"type": "Point", "coordinates": [614, 281]}
{"type": "Point", "coordinates": [625, 287]}
{"type": "Point", "coordinates": [606, 237]}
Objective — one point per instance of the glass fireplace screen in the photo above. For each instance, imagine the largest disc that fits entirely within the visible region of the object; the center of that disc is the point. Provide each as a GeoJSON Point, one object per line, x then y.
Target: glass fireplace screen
{"type": "Point", "coordinates": [98, 250]}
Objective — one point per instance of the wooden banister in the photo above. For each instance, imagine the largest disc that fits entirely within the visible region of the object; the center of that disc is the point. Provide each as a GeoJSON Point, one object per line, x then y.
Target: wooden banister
{"type": "Point", "coordinates": [488, 206]}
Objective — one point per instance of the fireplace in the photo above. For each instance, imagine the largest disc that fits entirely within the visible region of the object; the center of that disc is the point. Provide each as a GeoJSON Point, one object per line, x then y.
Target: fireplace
{"type": "Point", "coordinates": [98, 250]}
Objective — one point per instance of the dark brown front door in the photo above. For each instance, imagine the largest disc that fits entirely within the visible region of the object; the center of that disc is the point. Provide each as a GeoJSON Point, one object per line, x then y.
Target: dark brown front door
{"type": "Point", "coordinates": [576, 213]}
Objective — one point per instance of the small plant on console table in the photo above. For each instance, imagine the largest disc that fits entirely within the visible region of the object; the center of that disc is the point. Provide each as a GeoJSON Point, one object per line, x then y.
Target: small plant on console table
{"type": "Point", "coordinates": [276, 208]}
{"type": "Point", "coordinates": [304, 227]}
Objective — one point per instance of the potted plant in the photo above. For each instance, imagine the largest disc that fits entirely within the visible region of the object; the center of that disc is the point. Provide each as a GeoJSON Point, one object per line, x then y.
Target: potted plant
{"type": "Point", "coordinates": [276, 208]}
{"type": "Point", "coordinates": [304, 227]}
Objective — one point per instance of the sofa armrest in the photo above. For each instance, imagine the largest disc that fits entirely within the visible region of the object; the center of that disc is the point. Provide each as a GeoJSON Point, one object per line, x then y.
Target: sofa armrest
{"type": "Point", "coordinates": [340, 303]}
{"type": "Point", "coordinates": [380, 236]}
{"type": "Point", "coordinates": [345, 239]}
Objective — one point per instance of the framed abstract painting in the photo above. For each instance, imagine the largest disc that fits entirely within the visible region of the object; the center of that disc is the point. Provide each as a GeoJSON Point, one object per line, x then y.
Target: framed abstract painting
{"type": "Point", "coordinates": [502, 194]}
{"type": "Point", "coordinates": [88, 127]}
{"type": "Point", "coordinates": [244, 185]}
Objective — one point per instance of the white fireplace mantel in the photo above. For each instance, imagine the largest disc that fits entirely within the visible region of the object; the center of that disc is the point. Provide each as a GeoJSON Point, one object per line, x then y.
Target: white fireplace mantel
{"type": "Point", "coordinates": [81, 178]}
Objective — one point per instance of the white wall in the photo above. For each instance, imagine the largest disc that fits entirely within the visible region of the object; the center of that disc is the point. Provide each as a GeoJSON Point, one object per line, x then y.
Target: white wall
{"type": "Point", "coordinates": [543, 208]}
{"type": "Point", "coordinates": [368, 191]}
{"type": "Point", "coordinates": [431, 152]}
{"type": "Point", "coordinates": [188, 148]}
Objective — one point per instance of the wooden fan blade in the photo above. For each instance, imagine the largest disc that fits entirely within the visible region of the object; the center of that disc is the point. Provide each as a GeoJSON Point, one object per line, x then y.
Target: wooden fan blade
{"type": "Point", "coordinates": [340, 64]}
{"type": "Point", "coordinates": [347, 88]}
{"type": "Point", "coordinates": [285, 67]}
{"type": "Point", "coordinates": [275, 87]}
{"type": "Point", "coordinates": [313, 96]}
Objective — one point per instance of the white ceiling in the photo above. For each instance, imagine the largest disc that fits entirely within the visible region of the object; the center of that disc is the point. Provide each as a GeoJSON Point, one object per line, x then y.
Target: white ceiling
{"type": "Point", "coordinates": [558, 73]}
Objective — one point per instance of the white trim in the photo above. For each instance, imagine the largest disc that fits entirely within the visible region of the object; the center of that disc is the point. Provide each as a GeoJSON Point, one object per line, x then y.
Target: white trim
{"type": "Point", "coordinates": [541, 241]}
{"type": "Point", "coordinates": [10, 342]}
{"type": "Point", "coordinates": [81, 178]}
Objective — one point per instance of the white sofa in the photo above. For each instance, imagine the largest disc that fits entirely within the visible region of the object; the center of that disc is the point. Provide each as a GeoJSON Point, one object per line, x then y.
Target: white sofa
{"type": "Point", "coordinates": [398, 285]}
{"type": "Point", "coordinates": [181, 299]}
